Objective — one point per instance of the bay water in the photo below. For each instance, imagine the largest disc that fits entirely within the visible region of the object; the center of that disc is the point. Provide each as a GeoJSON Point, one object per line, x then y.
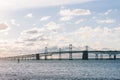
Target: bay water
{"type": "Point", "coordinates": [60, 70]}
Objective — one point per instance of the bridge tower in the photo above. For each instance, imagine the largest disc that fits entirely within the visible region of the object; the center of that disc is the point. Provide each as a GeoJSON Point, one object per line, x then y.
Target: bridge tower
{"type": "Point", "coordinates": [37, 57]}
{"type": "Point", "coordinates": [59, 53]}
{"type": "Point", "coordinates": [70, 51]}
{"type": "Point", "coordinates": [114, 56]}
{"type": "Point", "coordinates": [86, 48]}
{"type": "Point", "coordinates": [85, 54]}
{"type": "Point", "coordinates": [46, 52]}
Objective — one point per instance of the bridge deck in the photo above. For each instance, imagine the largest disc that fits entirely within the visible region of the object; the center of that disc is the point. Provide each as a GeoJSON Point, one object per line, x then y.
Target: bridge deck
{"type": "Point", "coordinates": [65, 52]}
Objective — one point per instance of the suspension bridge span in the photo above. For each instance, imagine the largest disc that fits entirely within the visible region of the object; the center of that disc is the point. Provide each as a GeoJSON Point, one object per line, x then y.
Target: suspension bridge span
{"type": "Point", "coordinates": [99, 54]}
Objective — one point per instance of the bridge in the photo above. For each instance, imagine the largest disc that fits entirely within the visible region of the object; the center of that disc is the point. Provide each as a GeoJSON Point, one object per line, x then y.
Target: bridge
{"type": "Point", "coordinates": [99, 54]}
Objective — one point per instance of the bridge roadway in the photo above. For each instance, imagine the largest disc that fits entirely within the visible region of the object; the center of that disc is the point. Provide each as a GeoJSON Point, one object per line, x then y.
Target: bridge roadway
{"type": "Point", "coordinates": [84, 53]}
{"type": "Point", "coordinates": [95, 52]}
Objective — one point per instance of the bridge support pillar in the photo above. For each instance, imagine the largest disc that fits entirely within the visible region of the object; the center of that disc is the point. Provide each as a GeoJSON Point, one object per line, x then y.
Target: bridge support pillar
{"type": "Point", "coordinates": [96, 56]}
{"type": "Point", "coordinates": [101, 56]}
{"type": "Point", "coordinates": [70, 51]}
{"type": "Point", "coordinates": [45, 57]}
{"type": "Point", "coordinates": [114, 56]}
{"type": "Point", "coordinates": [46, 52]}
{"type": "Point", "coordinates": [85, 55]}
{"type": "Point", "coordinates": [37, 57]}
{"type": "Point", "coordinates": [70, 56]}
{"type": "Point", "coordinates": [59, 53]}
{"type": "Point", "coordinates": [110, 56]}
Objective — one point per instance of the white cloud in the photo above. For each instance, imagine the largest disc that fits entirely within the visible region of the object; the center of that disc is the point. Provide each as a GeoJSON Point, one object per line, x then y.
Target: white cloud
{"type": "Point", "coordinates": [98, 38]}
{"type": "Point", "coordinates": [45, 18]}
{"type": "Point", "coordinates": [3, 26]}
{"type": "Point", "coordinates": [108, 21]}
{"type": "Point", "coordinates": [52, 26]}
{"type": "Point", "coordinates": [79, 21]}
{"type": "Point", "coordinates": [13, 48]}
{"type": "Point", "coordinates": [67, 14]}
{"type": "Point", "coordinates": [102, 36]}
{"type": "Point", "coordinates": [30, 31]}
{"type": "Point", "coordinates": [66, 18]}
{"type": "Point", "coordinates": [40, 34]}
{"type": "Point", "coordinates": [108, 12]}
{"type": "Point", "coordinates": [34, 24]}
{"type": "Point", "coordinates": [74, 12]}
{"type": "Point", "coordinates": [13, 22]}
{"type": "Point", "coordinates": [37, 38]}
{"type": "Point", "coordinates": [5, 33]}
{"type": "Point", "coordinates": [26, 4]}
{"type": "Point", "coordinates": [29, 15]}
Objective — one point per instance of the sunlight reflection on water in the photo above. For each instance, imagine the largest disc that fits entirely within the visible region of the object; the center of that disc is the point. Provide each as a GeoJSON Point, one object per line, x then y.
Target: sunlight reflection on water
{"type": "Point", "coordinates": [60, 70]}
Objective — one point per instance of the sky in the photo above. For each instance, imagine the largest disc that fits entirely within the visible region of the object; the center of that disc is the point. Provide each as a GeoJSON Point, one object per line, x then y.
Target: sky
{"type": "Point", "coordinates": [26, 27]}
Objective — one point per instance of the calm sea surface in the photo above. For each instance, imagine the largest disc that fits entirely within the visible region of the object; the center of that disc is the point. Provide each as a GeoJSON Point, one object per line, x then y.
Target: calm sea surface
{"type": "Point", "coordinates": [60, 70]}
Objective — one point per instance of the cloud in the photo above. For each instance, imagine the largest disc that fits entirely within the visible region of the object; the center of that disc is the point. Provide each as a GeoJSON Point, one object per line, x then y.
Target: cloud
{"type": "Point", "coordinates": [39, 37]}
{"type": "Point", "coordinates": [74, 12]}
{"type": "Point", "coordinates": [35, 39]}
{"type": "Point", "coordinates": [100, 35]}
{"type": "Point", "coordinates": [5, 33]}
{"type": "Point", "coordinates": [3, 26]}
{"type": "Point", "coordinates": [98, 38]}
{"type": "Point", "coordinates": [31, 31]}
{"type": "Point", "coordinates": [26, 4]}
{"type": "Point", "coordinates": [108, 12]}
{"type": "Point", "coordinates": [52, 26]}
{"type": "Point", "coordinates": [107, 21]}
{"type": "Point", "coordinates": [13, 22]}
{"type": "Point", "coordinates": [66, 18]}
{"type": "Point", "coordinates": [31, 35]}
{"type": "Point", "coordinates": [79, 21]}
{"type": "Point", "coordinates": [45, 18]}
{"type": "Point", "coordinates": [40, 34]}
{"type": "Point", "coordinates": [67, 14]}
{"type": "Point", "coordinates": [13, 48]}
{"type": "Point", "coordinates": [29, 15]}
